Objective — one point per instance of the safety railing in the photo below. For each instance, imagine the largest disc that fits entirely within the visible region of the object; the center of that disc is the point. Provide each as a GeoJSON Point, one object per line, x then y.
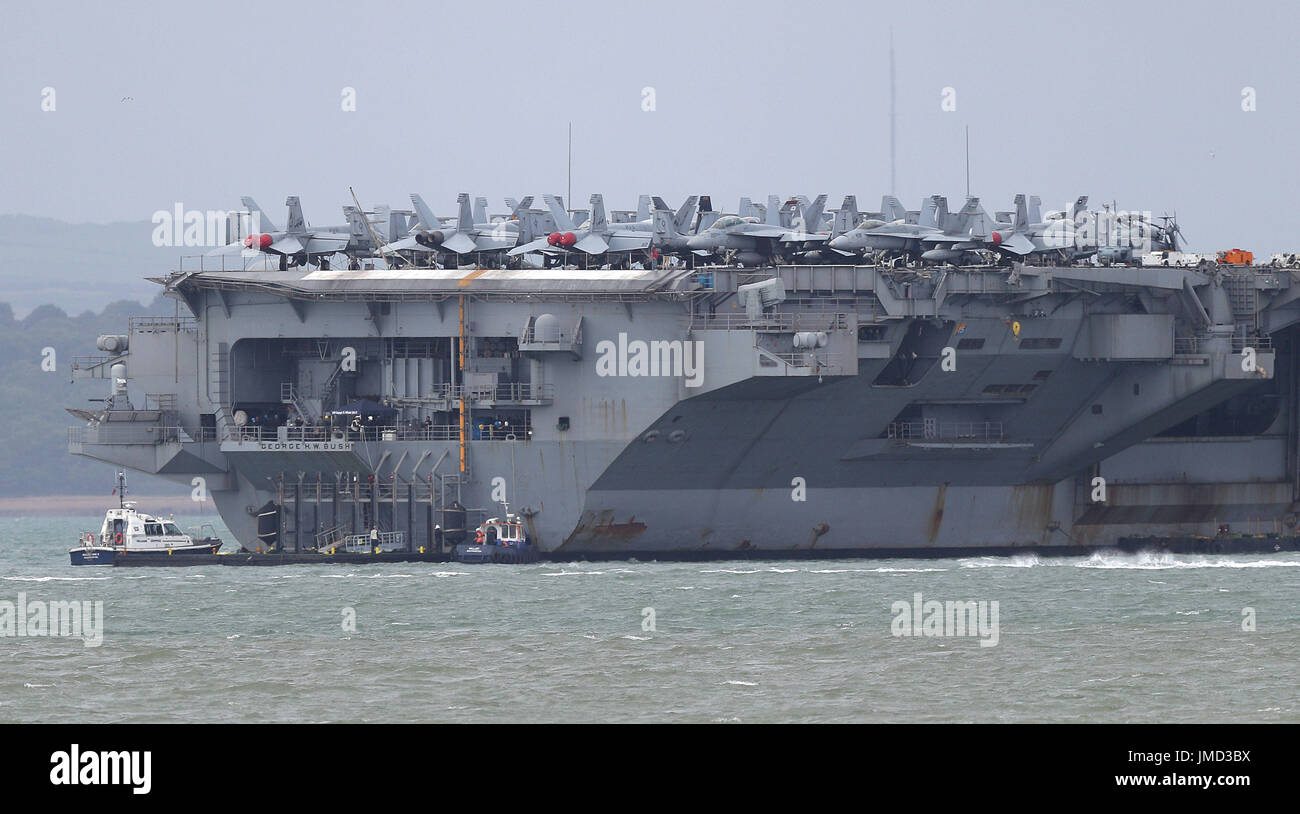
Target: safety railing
{"type": "Point", "coordinates": [152, 324]}
{"type": "Point", "coordinates": [476, 431]}
{"type": "Point", "coordinates": [1259, 343]}
{"type": "Point", "coordinates": [125, 433]}
{"type": "Point", "coordinates": [944, 430]}
{"type": "Point", "coordinates": [779, 322]}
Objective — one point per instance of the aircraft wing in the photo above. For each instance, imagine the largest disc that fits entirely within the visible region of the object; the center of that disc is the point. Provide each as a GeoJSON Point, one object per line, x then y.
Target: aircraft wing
{"type": "Point", "coordinates": [802, 237]}
{"type": "Point", "coordinates": [1017, 244]}
{"type": "Point", "coordinates": [325, 243]}
{"type": "Point", "coordinates": [538, 245]}
{"type": "Point", "coordinates": [629, 241]}
{"type": "Point", "coordinates": [288, 244]}
{"type": "Point", "coordinates": [460, 243]}
{"type": "Point", "coordinates": [592, 244]}
{"type": "Point", "coordinates": [406, 244]}
{"type": "Point", "coordinates": [771, 231]}
{"type": "Point", "coordinates": [496, 240]}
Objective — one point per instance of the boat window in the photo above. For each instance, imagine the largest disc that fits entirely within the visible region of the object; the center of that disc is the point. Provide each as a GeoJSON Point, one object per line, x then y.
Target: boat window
{"type": "Point", "coordinates": [153, 529]}
{"type": "Point", "coordinates": [171, 528]}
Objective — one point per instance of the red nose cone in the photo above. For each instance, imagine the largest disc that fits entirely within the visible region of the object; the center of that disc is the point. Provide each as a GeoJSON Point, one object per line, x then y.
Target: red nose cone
{"type": "Point", "coordinates": [248, 241]}
{"type": "Point", "coordinates": [553, 238]}
{"type": "Point", "coordinates": [997, 238]}
{"type": "Point", "coordinates": [568, 239]}
{"type": "Point", "coordinates": [265, 241]}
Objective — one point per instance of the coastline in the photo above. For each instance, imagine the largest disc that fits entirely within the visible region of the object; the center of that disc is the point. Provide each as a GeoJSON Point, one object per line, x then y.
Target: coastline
{"type": "Point", "coordinates": [96, 504]}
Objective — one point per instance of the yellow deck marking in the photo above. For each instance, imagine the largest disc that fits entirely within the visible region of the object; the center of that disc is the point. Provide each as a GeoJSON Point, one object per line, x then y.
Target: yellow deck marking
{"type": "Point", "coordinates": [469, 278]}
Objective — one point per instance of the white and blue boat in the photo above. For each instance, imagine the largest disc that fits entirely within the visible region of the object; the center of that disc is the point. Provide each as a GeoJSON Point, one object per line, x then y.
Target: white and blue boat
{"type": "Point", "coordinates": [498, 540]}
{"type": "Point", "coordinates": [127, 531]}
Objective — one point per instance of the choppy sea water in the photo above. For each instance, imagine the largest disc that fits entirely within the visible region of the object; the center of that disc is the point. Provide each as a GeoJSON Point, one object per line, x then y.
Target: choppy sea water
{"type": "Point", "coordinates": [1111, 637]}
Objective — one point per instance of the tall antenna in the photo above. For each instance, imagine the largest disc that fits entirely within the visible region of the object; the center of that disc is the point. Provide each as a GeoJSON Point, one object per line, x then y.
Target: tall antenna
{"type": "Point", "coordinates": [893, 123]}
{"type": "Point", "coordinates": [968, 162]}
{"type": "Point", "coordinates": [569, 195]}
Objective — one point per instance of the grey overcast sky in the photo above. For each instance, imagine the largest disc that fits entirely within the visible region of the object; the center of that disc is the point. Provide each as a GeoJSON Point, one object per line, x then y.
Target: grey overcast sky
{"type": "Point", "coordinates": [1139, 102]}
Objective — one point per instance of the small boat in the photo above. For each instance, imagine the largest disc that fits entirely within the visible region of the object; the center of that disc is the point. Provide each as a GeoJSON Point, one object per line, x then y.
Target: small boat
{"type": "Point", "coordinates": [126, 531]}
{"type": "Point", "coordinates": [498, 540]}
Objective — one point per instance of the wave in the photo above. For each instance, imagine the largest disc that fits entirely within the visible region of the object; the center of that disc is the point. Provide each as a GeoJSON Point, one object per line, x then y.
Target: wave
{"type": "Point", "coordinates": [55, 579]}
{"type": "Point", "coordinates": [1158, 561]}
{"type": "Point", "coordinates": [1016, 561]}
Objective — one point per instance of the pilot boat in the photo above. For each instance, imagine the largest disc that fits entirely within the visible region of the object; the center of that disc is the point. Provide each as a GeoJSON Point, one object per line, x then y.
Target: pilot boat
{"type": "Point", "coordinates": [498, 540]}
{"type": "Point", "coordinates": [127, 531]}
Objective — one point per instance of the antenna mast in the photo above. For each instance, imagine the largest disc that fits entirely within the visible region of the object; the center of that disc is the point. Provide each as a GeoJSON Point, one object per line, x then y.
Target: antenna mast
{"type": "Point", "coordinates": [569, 195]}
{"type": "Point", "coordinates": [893, 122]}
{"type": "Point", "coordinates": [968, 162]}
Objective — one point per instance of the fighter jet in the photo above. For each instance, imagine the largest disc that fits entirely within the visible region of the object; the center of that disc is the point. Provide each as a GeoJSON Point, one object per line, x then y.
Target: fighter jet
{"type": "Point", "coordinates": [890, 232]}
{"type": "Point", "coordinates": [296, 245]}
{"type": "Point", "coordinates": [750, 242]}
{"type": "Point", "coordinates": [472, 240]}
{"type": "Point", "coordinates": [1027, 235]}
{"type": "Point", "coordinates": [619, 244]}
{"type": "Point", "coordinates": [963, 234]}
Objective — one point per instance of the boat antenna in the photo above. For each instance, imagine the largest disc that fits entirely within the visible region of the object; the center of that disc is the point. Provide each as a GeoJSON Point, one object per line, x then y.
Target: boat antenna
{"type": "Point", "coordinates": [121, 490]}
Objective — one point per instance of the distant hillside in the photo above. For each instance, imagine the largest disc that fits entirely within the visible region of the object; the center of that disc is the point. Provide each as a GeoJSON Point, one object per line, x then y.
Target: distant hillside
{"type": "Point", "coordinates": [79, 266]}
{"type": "Point", "coordinates": [34, 457]}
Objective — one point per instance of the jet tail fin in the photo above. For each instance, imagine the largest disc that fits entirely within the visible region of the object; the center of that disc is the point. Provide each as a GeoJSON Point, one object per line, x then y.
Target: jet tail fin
{"type": "Point", "coordinates": [1035, 209]}
{"type": "Point", "coordinates": [811, 214]}
{"type": "Point", "coordinates": [1022, 214]}
{"type": "Point", "coordinates": [517, 207]}
{"type": "Point", "coordinates": [846, 219]}
{"type": "Point", "coordinates": [643, 208]}
{"type": "Point", "coordinates": [941, 215]}
{"type": "Point", "coordinates": [598, 223]}
{"type": "Point", "coordinates": [892, 209]}
{"type": "Point", "coordinates": [664, 225]}
{"type": "Point", "coordinates": [556, 204]}
{"type": "Point", "coordinates": [356, 222]}
{"type": "Point", "coordinates": [423, 212]}
{"type": "Point", "coordinates": [465, 218]}
{"type": "Point", "coordinates": [960, 223]}
{"type": "Point", "coordinates": [260, 222]}
{"type": "Point", "coordinates": [382, 224]}
{"type": "Point", "coordinates": [773, 210]}
{"type": "Point", "coordinates": [686, 214]}
{"type": "Point", "coordinates": [297, 223]}
{"type": "Point", "coordinates": [398, 225]}
{"type": "Point", "coordinates": [930, 212]}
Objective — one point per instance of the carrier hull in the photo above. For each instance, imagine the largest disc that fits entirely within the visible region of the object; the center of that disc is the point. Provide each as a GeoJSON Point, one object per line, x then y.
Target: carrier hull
{"type": "Point", "coordinates": [935, 413]}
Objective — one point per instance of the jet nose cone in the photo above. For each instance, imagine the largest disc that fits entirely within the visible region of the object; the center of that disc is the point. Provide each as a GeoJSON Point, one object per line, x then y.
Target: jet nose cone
{"type": "Point", "coordinates": [700, 243]}
{"type": "Point", "coordinates": [842, 243]}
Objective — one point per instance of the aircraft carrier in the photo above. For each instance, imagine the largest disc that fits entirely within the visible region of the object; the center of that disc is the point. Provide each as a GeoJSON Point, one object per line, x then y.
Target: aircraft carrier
{"type": "Point", "coordinates": [719, 411]}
